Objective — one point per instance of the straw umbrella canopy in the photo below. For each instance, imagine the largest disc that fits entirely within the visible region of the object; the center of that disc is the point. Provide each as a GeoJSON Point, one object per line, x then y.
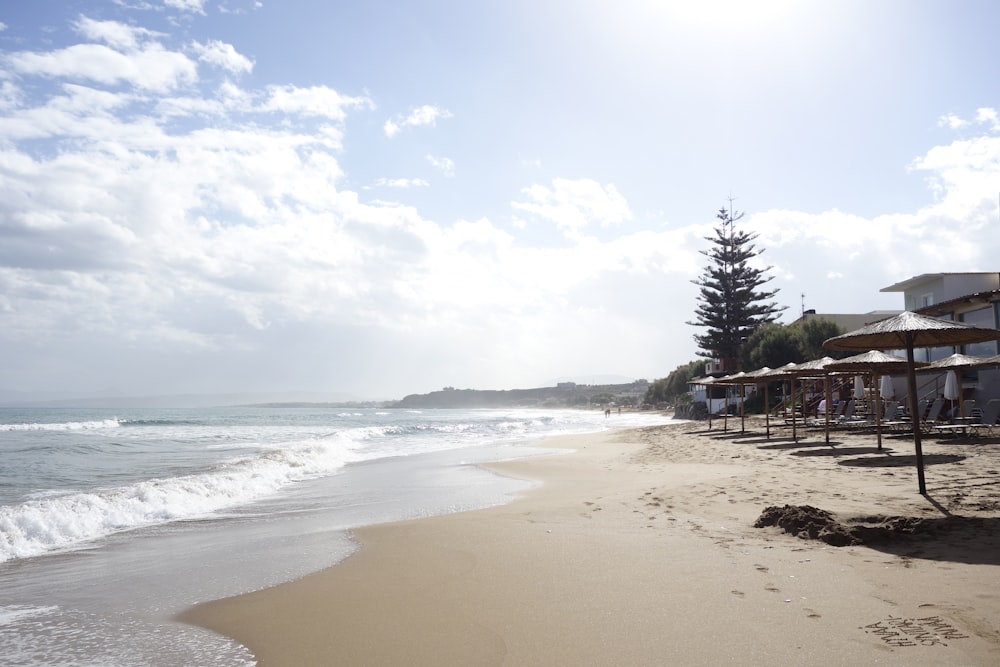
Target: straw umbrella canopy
{"type": "Point", "coordinates": [874, 362]}
{"type": "Point", "coordinates": [961, 361]}
{"type": "Point", "coordinates": [908, 331]}
{"type": "Point", "coordinates": [873, 359]}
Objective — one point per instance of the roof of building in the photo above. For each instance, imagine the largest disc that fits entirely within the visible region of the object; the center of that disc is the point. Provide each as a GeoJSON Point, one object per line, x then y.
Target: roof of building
{"type": "Point", "coordinates": [928, 277]}
{"type": "Point", "coordinates": [951, 304]}
{"type": "Point", "coordinates": [850, 321]}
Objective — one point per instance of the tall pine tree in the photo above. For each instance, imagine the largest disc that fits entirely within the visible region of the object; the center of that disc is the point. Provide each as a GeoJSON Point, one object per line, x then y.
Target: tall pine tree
{"type": "Point", "coordinates": [730, 304]}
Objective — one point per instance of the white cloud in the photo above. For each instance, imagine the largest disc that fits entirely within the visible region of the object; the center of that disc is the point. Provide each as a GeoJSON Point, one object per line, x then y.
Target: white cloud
{"type": "Point", "coordinates": [116, 35]}
{"type": "Point", "coordinates": [223, 55]}
{"type": "Point", "coordinates": [403, 183]}
{"type": "Point", "coordinates": [952, 121]}
{"type": "Point", "coordinates": [418, 117]}
{"type": "Point", "coordinates": [984, 116]}
{"type": "Point", "coordinates": [151, 68]}
{"type": "Point", "coordinates": [313, 101]}
{"type": "Point", "coordinates": [11, 95]}
{"type": "Point", "coordinates": [194, 6]}
{"type": "Point", "coordinates": [445, 165]}
{"type": "Point", "coordinates": [988, 116]}
{"type": "Point", "coordinates": [573, 204]}
{"type": "Point", "coordinates": [225, 8]}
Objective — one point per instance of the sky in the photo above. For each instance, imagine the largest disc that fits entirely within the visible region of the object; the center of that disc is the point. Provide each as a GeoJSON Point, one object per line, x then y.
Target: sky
{"type": "Point", "coordinates": [383, 198]}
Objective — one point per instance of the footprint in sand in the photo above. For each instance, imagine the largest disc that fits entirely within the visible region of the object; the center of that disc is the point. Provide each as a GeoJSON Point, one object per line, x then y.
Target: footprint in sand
{"type": "Point", "coordinates": [738, 594]}
{"type": "Point", "coordinates": [772, 588]}
{"type": "Point", "coordinates": [761, 568]}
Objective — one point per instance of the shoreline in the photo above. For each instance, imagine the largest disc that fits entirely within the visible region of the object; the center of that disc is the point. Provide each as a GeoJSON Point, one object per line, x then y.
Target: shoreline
{"type": "Point", "coordinates": [638, 548]}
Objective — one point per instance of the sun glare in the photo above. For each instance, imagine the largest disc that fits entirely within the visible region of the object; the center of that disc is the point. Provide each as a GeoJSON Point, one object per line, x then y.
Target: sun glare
{"type": "Point", "coordinates": [720, 13]}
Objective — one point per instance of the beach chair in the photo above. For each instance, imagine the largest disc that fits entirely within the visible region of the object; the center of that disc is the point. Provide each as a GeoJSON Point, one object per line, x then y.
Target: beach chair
{"type": "Point", "coordinates": [933, 415]}
{"type": "Point", "coordinates": [849, 419]}
{"type": "Point", "coordinates": [991, 415]}
{"type": "Point", "coordinates": [846, 414]}
{"type": "Point", "coordinates": [893, 419]}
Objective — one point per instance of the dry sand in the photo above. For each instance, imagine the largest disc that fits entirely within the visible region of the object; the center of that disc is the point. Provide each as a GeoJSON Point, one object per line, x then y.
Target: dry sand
{"type": "Point", "coordinates": [640, 549]}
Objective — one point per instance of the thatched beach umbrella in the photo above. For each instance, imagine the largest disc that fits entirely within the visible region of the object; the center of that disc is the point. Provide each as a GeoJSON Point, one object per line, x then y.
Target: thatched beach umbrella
{"type": "Point", "coordinates": [957, 362]}
{"type": "Point", "coordinates": [758, 377]}
{"type": "Point", "coordinates": [908, 331]}
{"type": "Point", "coordinates": [874, 362]}
{"type": "Point", "coordinates": [733, 380]}
{"type": "Point", "coordinates": [782, 373]}
{"type": "Point", "coordinates": [818, 368]}
{"type": "Point", "coordinates": [705, 382]}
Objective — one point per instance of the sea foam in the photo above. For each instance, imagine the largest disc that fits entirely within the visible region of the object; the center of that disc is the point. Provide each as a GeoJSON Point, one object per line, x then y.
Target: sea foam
{"type": "Point", "coordinates": [62, 426]}
{"type": "Point", "coordinates": [70, 520]}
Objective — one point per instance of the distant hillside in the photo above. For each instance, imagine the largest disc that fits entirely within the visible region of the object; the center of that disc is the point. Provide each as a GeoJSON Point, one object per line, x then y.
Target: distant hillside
{"type": "Point", "coordinates": [566, 394]}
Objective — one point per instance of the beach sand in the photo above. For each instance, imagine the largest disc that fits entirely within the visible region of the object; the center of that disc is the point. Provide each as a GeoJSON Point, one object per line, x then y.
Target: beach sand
{"type": "Point", "coordinates": [640, 549]}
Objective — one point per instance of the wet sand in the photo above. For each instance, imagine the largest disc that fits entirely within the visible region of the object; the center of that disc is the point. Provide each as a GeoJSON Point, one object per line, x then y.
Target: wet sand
{"type": "Point", "coordinates": [640, 549]}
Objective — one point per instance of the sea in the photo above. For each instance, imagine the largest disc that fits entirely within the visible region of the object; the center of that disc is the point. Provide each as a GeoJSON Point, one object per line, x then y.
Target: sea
{"type": "Point", "coordinates": [114, 521]}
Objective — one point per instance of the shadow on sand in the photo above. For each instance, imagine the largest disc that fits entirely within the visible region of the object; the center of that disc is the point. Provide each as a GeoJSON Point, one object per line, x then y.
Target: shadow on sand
{"type": "Point", "coordinates": [842, 451]}
{"type": "Point", "coordinates": [791, 444]}
{"type": "Point", "coordinates": [908, 460]}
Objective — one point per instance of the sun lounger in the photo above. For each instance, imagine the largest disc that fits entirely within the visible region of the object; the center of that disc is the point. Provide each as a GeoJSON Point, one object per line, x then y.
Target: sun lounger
{"type": "Point", "coordinates": [933, 415]}
{"type": "Point", "coordinates": [974, 423]}
{"type": "Point", "coordinates": [892, 419]}
{"type": "Point", "coordinates": [991, 415]}
{"type": "Point", "coordinates": [849, 419]}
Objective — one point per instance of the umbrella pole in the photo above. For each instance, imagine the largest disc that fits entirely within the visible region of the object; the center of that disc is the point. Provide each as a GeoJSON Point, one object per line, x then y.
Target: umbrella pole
{"type": "Point", "coordinates": [961, 398]}
{"type": "Point", "coordinates": [911, 380]}
{"type": "Point", "coordinates": [767, 411]}
{"type": "Point", "coordinates": [878, 408]}
{"type": "Point", "coordinates": [725, 411]}
{"type": "Point", "coordinates": [828, 395]}
{"type": "Point", "coordinates": [795, 435]}
{"type": "Point", "coordinates": [743, 418]}
{"type": "Point", "coordinates": [708, 402]}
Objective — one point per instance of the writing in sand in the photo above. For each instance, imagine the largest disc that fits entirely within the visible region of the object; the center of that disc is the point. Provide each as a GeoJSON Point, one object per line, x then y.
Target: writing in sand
{"type": "Point", "coordinates": [930, 631]}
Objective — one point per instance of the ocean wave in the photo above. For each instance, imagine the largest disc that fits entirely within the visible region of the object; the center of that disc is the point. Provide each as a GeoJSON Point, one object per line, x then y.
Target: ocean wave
{"type": "Point", "coordinates": [10, 614]}
{"type": "Point", "coordinates": [63, 426]}
{"type": "Point", "coordinates": [160, 422]}
{"type": "Point", "coordinates": [67, 521]}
